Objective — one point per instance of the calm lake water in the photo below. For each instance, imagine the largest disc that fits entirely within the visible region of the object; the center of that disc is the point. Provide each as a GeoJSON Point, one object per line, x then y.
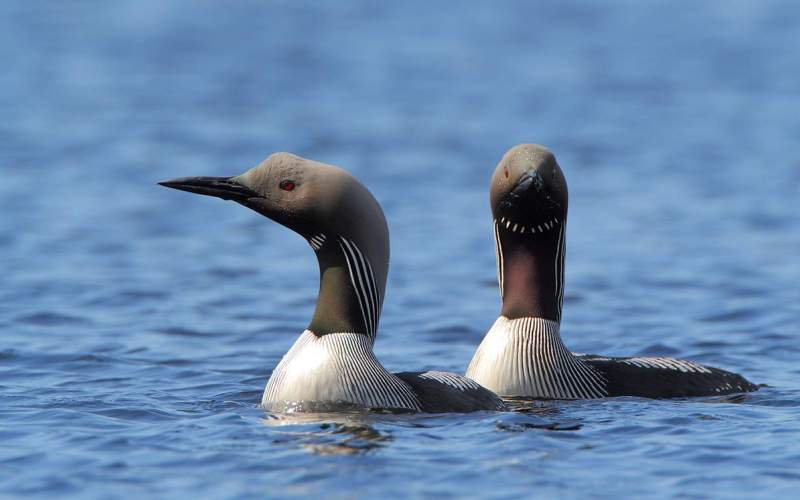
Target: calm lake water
{"type": "Point", "coordinates": [138, 325]}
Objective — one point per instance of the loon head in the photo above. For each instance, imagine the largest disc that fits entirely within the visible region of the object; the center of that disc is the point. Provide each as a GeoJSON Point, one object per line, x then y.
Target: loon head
{"type": "Point", "coordinates": [529, 202]}
{"type": "Point", "coordinates": [339, 217]}
{"type": "Point", "coordinates": [529, 193]}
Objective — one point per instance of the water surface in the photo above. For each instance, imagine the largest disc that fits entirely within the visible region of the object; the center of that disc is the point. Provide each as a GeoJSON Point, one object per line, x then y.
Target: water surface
{"type": "Point", "coordinates": [139, 325]}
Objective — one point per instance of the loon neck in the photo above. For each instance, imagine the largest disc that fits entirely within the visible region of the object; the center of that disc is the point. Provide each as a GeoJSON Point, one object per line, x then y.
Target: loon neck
{"type": "Point", "coordinates": [530, 271]}
{"type": "Point", "coordinates": [350, 295]}
{"type": "Point", "coordinates": [332, 362]}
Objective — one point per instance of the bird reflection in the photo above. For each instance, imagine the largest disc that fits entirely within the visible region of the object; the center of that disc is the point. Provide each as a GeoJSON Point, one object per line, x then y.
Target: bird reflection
{"type": "Point", "coordinates": [332, 433]}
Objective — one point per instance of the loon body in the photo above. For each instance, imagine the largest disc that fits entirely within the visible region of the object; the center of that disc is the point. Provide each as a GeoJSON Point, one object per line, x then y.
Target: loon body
{"type": "Point", "coordinates": [332, 364]}
{"type": "Point", "coordinates": [522, 355]}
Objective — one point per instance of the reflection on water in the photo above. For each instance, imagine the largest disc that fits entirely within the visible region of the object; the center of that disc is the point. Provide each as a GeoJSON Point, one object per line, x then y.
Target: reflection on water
{"type": "Point", "coordinates": [354, 432]}
{"type": "Point", "coordinates": [330, 433]}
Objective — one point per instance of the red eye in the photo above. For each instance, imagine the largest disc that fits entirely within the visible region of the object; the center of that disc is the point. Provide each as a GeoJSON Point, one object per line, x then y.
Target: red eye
{"type": "Point", "coordinates": [287, 185]}
{"type": "Point", "coordinates": [505, 170]}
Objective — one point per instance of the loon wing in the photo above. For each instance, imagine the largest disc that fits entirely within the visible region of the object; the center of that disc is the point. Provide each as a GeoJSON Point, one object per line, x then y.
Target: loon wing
{"type": "Point", "coordinates": [655, 377]}
{"type": "Point", "coordinates": [440, 392]}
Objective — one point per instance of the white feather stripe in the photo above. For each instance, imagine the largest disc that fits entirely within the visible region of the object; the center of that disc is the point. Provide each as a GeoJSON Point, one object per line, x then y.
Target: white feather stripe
{"type": "Point", "coordinates": [589, 377]}
{"type": "Point", "coordinates": [356, 287]}
{"type": "Point", "coordinates": [544, 363]}
{"type": "Point", "coordinates": [565, 371]}
{"type": "Point", "coordinates": [581, 376]}
{"type": "Point", "coordinates": [527, 361]}
{"type": "Point", "coordinates": [358, 281]}
{"type": "Point", "coordinates": [560, 377]}
{"type": "Point", "coordinates": [380, 390]}
{"type": "Point", "coordinates": [513, 375]}
{"type": "Point", "coordinates": [373, 289]}
{"type": "Point", "coordinates": [529, 351]}
{"type": "Point", "coordinates": [585, 377]}
{"type": "Point", "coordinates": [548, 365]}
{"type": "Point", "coordinates": [584, 382]}
{"type": "Point", "coordinates": [354, 359]}
{"type": "Point", "coordinates": [559, 270]}
{"type": "Point", "coordinates": [362, 285]}
{"type": "Point", "coordinates": [556, 389]}
{"type": "Point", "coordinates": [317, 241]}
{"type": "Point", "coordinates": [666, 364]}
{"type": "Point", "coordinates": [538, 380]}
{"type": "Point", "coordinates": [498, 248]}
{"type": "Point", "coordinates": [451, 379]}
{"type": "Point", "coordinates": [568, 374]}
{"type": "Point", "coordinates": [662, 364]}
{"type": "Point", "coordinates": [384, 389]}
{"type": "Point", "coordinates": [357, 361]}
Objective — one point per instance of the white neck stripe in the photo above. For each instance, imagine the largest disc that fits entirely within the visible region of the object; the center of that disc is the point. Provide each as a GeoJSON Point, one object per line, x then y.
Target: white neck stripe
{"type": "Point", "coordinates": [363, 282]}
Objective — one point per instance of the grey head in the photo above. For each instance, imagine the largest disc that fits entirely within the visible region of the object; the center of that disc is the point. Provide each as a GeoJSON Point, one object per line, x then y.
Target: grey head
{"type": "Point", "coordinates": [339, 217]}
{"type": "Point", "coordinates": [529, 202]}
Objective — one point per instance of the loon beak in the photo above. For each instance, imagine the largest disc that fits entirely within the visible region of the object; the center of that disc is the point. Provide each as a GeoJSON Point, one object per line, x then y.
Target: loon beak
{"type": "Point", "coordinates": [227, 188]}
{"type": "Point", "coordinates": [527, 181]}
{"type": "Point", "coordinates": [518, 192]}
{"type": "Point", "coordinates": [530, 192]}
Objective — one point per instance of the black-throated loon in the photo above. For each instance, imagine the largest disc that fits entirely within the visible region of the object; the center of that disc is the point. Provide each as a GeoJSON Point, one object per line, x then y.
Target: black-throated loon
{"type": "Point", "coordinates": [332, 363]}
{"type": "Point", "coordinates": [522, 354]}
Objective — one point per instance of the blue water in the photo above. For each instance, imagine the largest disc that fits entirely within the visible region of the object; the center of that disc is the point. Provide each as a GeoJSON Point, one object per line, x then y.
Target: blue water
{"type": "Point", "coordinates": [138, 325]}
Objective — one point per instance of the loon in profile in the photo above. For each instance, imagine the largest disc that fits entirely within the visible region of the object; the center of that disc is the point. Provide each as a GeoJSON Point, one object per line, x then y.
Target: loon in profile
{"type": "Point", "coordinates": [332, 364]}
{"type": "Point", "coordinates": [522, 355]}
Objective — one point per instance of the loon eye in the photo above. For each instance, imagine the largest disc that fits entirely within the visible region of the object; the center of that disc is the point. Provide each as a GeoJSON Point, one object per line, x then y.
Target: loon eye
{"type": "Point", "coordinates": [505, 171]}
{"type": "Point", "coordinates": [287, 185]}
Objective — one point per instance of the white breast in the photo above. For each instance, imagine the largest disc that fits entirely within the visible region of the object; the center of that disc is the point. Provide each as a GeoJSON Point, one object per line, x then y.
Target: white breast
{"type": "Point", "coordinates": [525, 357]}
{"type": "Point", "coordinates": [333, 369]}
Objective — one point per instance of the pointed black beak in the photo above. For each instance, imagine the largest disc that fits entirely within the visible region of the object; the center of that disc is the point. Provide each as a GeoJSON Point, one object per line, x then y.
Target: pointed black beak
{"type": "Point", "coordinates": [531, 194]}
{"type": "Point", "coordinates": [226, 188]}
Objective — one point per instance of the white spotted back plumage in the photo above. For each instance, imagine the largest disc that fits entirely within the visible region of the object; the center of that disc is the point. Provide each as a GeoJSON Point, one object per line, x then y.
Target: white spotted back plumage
{"type": "Point", "coordinates": [453, 380]}
{"type": "Point", "coordinates": [666, 364]}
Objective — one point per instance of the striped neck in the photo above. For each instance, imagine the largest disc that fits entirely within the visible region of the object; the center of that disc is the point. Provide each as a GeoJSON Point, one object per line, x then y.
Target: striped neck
{"type": "Point", "coordinates": [530, 268]}
{"type": "Point", "coordinates": [322, 373]}
{"type": "Point", "coordinates": [525, 357]}
{"type": "Point", "coordinates": [350, 292]}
